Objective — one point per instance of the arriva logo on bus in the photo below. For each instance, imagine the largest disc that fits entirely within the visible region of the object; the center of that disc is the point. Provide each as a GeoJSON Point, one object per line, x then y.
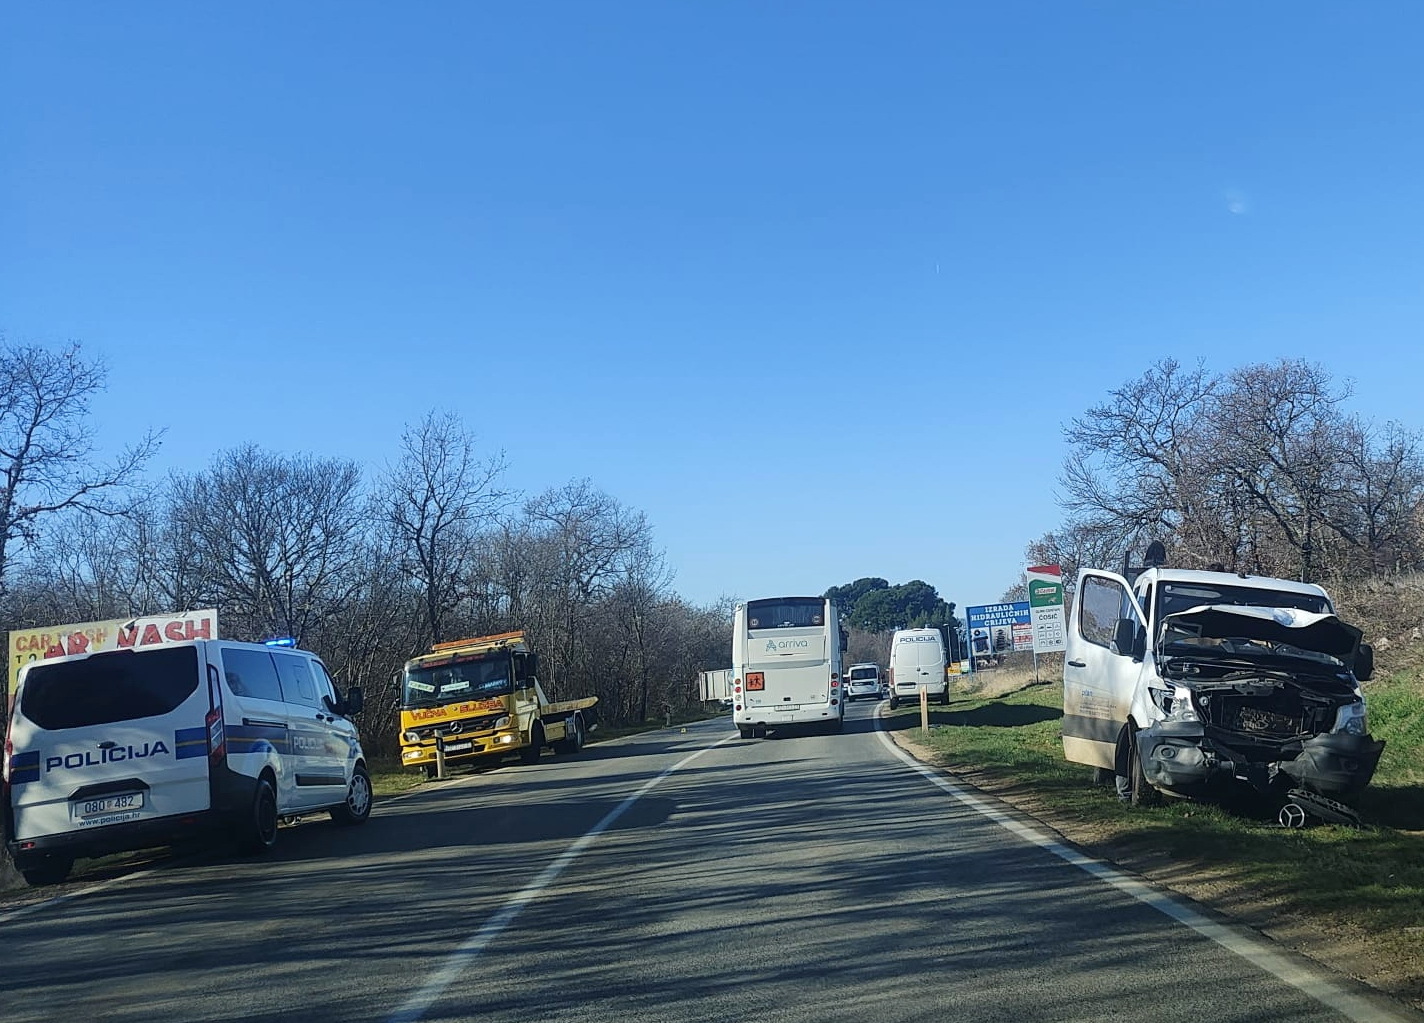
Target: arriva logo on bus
{"type": "Point", "coordinates": [786, 644]}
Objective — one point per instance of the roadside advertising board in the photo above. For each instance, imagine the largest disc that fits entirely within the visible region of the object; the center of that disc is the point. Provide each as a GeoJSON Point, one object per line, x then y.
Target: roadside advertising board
{"type": "Point", "coordinates": [1045, 598]}
{"type": "Point", "coordinates": [114, 634]}
{"type": "Point", "coordinates": [996, 629]}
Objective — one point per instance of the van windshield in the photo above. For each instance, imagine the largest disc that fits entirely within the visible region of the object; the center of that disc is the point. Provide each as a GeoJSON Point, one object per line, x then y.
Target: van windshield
{"type": "Point", "coordinates": [1177, 597]}
{"type": "Point", "coordinates": [474, 679]}
{"type": "Point", "coordinates": [117, 685]}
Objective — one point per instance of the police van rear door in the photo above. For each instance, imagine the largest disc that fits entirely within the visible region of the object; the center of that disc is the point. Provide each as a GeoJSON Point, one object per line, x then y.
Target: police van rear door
{"type": "Point", "coordinates": [108, 738]}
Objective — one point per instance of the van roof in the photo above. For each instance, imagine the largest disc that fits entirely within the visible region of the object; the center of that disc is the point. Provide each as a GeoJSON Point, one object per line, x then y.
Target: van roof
{"type": "Point", "coordinates": [1265, 582]}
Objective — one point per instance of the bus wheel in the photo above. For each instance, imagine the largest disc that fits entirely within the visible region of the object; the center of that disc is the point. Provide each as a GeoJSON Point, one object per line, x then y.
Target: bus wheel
{"type": "Point", "coordinates": [759, 731]}
{"type": "Point", "coordinates": [745, 731]}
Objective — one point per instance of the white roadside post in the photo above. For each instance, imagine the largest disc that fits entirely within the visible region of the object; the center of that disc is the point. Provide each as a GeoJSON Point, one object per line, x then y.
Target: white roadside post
{"type": "Point", "coordinates": [925, 710]}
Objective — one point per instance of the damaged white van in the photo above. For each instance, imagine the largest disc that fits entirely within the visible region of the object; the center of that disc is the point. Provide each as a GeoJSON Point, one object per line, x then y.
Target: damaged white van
{"type": "Point", "coordinates": [125, 749]}
{"type": "Point", "coordinates": [1186, 682]}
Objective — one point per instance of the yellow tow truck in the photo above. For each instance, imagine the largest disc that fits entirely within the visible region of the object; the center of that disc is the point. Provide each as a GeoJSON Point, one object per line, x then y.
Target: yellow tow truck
{"type": "Point", "coordinates": [476, 698]}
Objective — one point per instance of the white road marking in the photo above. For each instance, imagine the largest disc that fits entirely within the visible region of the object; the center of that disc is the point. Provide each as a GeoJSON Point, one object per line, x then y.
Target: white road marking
{"type": "Point", "coordinates": [1257, 952]}
{"type": "Point", "coordinates": [458, 962]}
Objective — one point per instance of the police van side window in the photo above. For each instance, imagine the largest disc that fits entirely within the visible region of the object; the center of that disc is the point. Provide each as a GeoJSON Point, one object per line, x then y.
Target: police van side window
{"type": "Point", "coordinates": [251, 673]}
{"type": "Point", "coordinates": [119, 685]}
{"type": "Point", "coordinates": [324, 685]}
{"type": "Point", "coordinates": [297, 684]}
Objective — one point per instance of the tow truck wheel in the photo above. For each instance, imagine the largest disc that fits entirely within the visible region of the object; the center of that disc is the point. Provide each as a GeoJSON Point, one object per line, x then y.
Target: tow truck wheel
{"type": "Point", "coordinates": [530, 754]}
{"type": "Point", "coordinates": [573, 736]}
{"type": "Point", "coordinates": [432, 771]}
{"type": "Point", "coordinates": [1141, 790]}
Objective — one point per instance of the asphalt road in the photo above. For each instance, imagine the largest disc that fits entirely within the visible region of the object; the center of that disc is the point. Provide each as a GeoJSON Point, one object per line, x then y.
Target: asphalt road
{"type": "Point", "coordinates": [806, 877]}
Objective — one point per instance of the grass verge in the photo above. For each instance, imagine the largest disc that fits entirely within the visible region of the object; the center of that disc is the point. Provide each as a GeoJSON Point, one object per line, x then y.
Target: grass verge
{"type": "Point", "coordinates": [1358, 891]}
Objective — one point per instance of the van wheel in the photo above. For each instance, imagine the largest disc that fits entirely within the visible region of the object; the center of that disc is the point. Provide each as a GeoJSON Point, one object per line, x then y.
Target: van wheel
{"type": "Point", "coordinates": [944, 698]}
{"type": "Point", "coordinates": [46, 871]}
{"type": "Point", "coordinates": [357, 807]}
{"type": "Point", "coordinates": [894, 703]}
{"type": "Point", "coordinates": [530, 754]}
{"type": "Point", "coordinates": [257, 831]}
{"type": "Point", "coordinates": [1141, 791]}
{"type": "Point", "coordinates": [573, 737]}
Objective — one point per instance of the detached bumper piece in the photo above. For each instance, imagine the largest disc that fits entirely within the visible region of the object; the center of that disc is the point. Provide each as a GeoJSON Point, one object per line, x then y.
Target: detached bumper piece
{"type": "Point", "coordinates": [1181, 757]}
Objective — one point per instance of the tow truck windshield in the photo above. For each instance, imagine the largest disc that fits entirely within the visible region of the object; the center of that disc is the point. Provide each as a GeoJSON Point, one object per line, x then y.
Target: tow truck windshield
{"type": "Point", "coordinates": [474, 679]}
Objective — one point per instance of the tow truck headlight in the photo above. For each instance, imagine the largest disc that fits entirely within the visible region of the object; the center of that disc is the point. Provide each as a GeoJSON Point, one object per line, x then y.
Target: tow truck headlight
{"type": "Point", "coordinates": [411, 736]}
{"type": "Point", "coordinates": [1352, 719]}
{"type": "Point", "coordinates": [502, 722]}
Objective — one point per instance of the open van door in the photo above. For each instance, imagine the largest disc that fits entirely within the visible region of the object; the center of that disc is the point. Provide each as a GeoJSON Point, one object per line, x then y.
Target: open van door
{"type": "Point", "coordinates": [1103, 663]}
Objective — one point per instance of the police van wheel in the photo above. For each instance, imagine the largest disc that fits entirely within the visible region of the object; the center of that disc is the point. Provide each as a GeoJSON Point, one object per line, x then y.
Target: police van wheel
{"type": "Point", "coordinates": [944, 698]}
{"type": "Point", "coordinates": [357, 807]}
{"type": "Point", "coordinates": [894, 703]}
{"type": "Point", "coordinates": [47, 871]}
{"type": "Point", "coordinates": [258, 832]}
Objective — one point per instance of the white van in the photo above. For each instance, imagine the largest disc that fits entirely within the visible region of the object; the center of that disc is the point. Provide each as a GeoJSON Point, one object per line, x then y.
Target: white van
{"type": "Point", "coordinates": [917, 659]}
{"type": "Point", "coordinates": [125, 749]}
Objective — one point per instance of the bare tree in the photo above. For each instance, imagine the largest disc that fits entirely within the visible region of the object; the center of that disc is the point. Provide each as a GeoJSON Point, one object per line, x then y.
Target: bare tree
{"type": "Point", "coordinates": [47, 448]}
{"type": "Point", "coordinates": [277, 539]}
{"type": "Point", "coordinates": [439, 498]}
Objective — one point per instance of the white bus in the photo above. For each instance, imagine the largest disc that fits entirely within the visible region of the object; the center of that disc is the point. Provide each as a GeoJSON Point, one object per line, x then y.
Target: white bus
{"type": "Point", "coordinates": [786, 665]}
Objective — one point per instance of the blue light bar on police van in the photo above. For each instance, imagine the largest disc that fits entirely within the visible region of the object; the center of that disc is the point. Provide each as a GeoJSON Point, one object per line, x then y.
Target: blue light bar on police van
{"type": "Point", "coordinates": [284, 641]}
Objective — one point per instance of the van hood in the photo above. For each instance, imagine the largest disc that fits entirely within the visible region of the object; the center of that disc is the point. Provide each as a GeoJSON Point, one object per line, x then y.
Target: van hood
{"type": "Point", "coordinates": [1305, 630]}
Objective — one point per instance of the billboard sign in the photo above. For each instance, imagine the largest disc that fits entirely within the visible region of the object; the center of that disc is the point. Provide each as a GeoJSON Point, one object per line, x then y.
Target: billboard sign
{"type": "Point", "coordinates": [996, 629]}
{"type": "Point", "coordinates": [114, 634]}
{"type": "Point", "coordinates": [1045, 597]}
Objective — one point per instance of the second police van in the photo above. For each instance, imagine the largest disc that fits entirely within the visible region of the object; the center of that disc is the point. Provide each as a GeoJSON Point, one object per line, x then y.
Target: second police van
{"type": "Point", "coordinates": [125, 749]}
{"type": "Point", "coordinates": [917, 659]}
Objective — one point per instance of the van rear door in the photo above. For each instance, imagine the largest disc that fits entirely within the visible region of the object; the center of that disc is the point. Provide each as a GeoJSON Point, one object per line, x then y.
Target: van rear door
{"type": "Point", "coordinates": [108, 738]}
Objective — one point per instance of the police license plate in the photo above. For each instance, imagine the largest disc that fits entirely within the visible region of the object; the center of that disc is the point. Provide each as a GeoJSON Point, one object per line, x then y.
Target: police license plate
{"type": "Point", "coordinates": [82, 809]}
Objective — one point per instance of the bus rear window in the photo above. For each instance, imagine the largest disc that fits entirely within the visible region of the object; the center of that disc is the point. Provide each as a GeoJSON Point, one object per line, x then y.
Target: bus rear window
{"type": "Point", "coordinates": [786, 613]}
{"type": "Point", "coordinates": [118, 685]}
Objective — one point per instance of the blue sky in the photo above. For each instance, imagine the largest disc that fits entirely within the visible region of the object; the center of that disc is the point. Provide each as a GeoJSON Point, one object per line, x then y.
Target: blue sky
{"type": "Point", "coordinates": [815, 285]}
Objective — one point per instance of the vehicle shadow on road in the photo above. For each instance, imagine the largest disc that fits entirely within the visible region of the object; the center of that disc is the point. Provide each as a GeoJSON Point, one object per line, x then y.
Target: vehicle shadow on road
{"type": "Point", "coordinates": [993, 715]}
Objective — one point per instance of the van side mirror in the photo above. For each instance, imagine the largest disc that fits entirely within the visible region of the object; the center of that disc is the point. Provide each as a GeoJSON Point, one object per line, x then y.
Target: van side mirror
{"type": "Point", "coordinates": [1364, 663]}
{"type": "Point", "coordinates": [1124, 636]}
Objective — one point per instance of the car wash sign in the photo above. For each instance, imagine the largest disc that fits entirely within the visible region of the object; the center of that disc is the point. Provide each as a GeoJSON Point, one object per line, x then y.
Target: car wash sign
{"type": "Point", "coordinates": [28, 645]}
{"type": "Point", "coordinates": [1045, 600]}
{"type": "Point", "coordinates": [996, 629]}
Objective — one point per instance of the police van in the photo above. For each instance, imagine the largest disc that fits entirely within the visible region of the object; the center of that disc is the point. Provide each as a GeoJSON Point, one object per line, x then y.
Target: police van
{"type": "Point", "coordinates": [125, 749]}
